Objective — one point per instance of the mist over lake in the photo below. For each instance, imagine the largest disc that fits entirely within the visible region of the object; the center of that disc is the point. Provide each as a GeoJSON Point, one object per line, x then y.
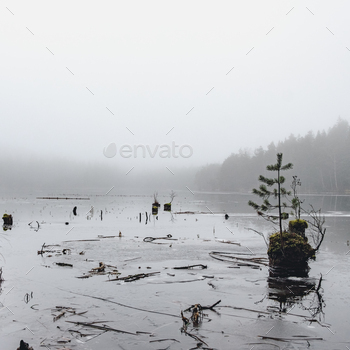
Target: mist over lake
{"type": "Point", "coordinates": [134, 135]}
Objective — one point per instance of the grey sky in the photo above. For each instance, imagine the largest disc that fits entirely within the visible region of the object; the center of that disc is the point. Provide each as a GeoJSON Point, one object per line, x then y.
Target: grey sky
{"type": "Point", "coordinates": [77, 76]}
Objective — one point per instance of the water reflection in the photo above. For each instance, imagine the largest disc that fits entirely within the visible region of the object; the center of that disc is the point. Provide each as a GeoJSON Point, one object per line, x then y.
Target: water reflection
{"type": "Point", "coordinates": [1, 279]}
{"type": "Point", "coordinates": [6, 227]}
{"type": "Point", "coordinates": [302, 291]}
{"type": "Point", "coordinates": [296, 270]}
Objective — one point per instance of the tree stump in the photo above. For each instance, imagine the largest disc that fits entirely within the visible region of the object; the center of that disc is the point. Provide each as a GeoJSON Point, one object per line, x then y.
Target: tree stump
{"type": "Point", "coordinates": [290, 259]}
{"type": "Point", "coordinates": [7, 219]}
{"type": "Point", "coordinates": [167, 207]}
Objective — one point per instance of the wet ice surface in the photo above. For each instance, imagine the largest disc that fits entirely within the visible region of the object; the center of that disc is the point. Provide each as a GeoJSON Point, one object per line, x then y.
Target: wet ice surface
{"type": "Point", "coordinates": [150, 308]}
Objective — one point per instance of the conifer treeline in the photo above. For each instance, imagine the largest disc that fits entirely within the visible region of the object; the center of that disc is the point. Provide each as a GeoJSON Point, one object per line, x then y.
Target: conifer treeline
{"type": "Point", "coordinates": [321, 161]}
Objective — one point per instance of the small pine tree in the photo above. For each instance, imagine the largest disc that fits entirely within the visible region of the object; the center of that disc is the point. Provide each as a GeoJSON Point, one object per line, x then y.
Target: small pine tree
{"type": "Point", "coordinates": [278, 193]}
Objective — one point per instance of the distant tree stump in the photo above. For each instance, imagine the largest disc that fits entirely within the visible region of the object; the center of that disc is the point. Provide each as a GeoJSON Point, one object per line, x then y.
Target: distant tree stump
{"type": "Point", "coordinates": [298, 226]}
{"type": "Point", "coordinates": [167, 207]}
{"type": "Point", "coordinates": [154, 210]}
{"type": "Point", "coordinates": [7, 219]}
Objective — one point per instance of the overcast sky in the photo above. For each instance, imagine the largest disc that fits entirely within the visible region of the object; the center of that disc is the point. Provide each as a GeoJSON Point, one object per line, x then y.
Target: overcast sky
{"type": "Point", "coordinates": [81, 79]}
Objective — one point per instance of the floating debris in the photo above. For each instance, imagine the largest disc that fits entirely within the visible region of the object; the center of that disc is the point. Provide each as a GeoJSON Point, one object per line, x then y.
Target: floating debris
{"type": "Point", "coordinates": [77, 198]}
{"type": "Point", "coordinates": [190, 267]}
{"type": "Point", "coordinates": [63, 264]}
{"type": "Point", "coordinates": [151, 239]}
{"type": "Point", "coordinates": [103, 327]}
{"type": "Point", "coordinates": [33, 226]}
{"type": "Point", "coordinates": [227, 241]}
{"type": "Point", "coordinates": [132, 278]}
{"type": "Point", "coordinates": [102, 269]}
{"type": "Point", "coordinates": [196, 318]}
{"type": "Point", "coordinates": [234, 257]}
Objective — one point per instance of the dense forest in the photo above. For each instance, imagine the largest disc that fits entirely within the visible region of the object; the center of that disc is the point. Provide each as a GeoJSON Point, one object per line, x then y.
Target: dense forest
{"type": "Point", "coordinates": [321, 162]}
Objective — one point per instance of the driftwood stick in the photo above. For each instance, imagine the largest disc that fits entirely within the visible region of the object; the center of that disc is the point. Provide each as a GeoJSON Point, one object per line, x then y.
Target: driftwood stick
{"type": "Point", "coordinates": [132, 278]}
{"type": "Point", "coordinates": [189, 267]}
{"type": "Point", "coordinates": [63, 264]}
{"type": "Point", "coordinates": [319, 284]}
{"type": "Point", "coordinates": [204, 307]}
{"type": "Point", "coordinates": [41, 252]}
{"type": "Point", "coordinates": [77, 198]}
{"type": "Point", "coordinates": [56, 318]}
{"type": "Point", "coordinates": [83, 240]}
{"type": "Point", "coordinates": [211, 307]}
{"type": "Point", "coordinates": [289, 339]}
{"type": "Point", "coordinates": [226, 257]}
{"type": "Point", "coordinates": [160, 340]}
{"type": "Point", "coordinates": [104, 328]}
{"type": "Point", "coordinates": [264, 344]}
{"type": "Point", "coordinates": [151, 239]}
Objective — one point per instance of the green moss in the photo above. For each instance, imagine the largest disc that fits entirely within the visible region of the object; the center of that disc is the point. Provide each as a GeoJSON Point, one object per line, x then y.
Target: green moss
{"type": "Point", "coordinates": [296, 250]}
{"type": "Point", "coordinates": [298, 226]}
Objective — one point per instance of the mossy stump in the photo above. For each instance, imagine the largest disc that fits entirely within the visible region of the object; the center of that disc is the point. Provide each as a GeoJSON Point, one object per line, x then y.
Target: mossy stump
{"type": "Point", "coordinates": [298, 226]}
{"type": "Point", "coordinates": [7, 219]}
{"type": "Point", "coordinates": [290, 259]}
{"type": "Point", "coordinates": [167, 207]}
{"type": "Point", "coordinates": [154, 210]}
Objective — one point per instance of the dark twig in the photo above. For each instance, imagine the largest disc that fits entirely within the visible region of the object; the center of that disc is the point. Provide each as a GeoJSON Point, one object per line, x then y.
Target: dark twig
{"type": "Point", "coordinates": [204, 307]}
{"type": "Point", "coordinates": [151, 239]}
{"type": "Point", "coordinates": [104, 328]}
{"type": "Point", "coordinates": [132, 278]}
{"type": "Point", "coordinates": [189, 267]}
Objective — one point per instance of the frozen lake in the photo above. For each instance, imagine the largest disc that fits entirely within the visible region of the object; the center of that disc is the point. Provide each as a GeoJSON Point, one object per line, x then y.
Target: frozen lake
{"type": "Point", "coordinates": [46, 304]}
